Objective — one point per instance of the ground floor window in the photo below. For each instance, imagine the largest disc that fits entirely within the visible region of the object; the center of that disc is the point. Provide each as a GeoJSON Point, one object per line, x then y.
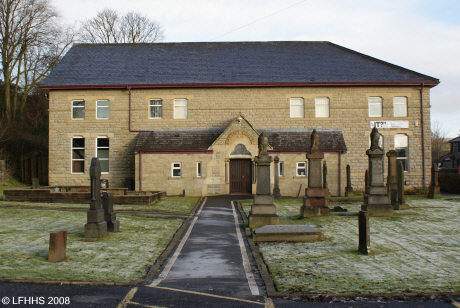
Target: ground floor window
{"type": "Point", "coordinates": [198, 169]}
{"type": "Point", "coordinates": [301, 169]}
{"type": "Point", "coordinates": [176, 170]}
{"type": "Point", "coordinates": [78, 155]}
{"type": "Point", "coordinates": [102, 152]}
{"type": "Point", "coordinates": [281, 170]}
{"type": "Point", "coordinates": [402, 147]}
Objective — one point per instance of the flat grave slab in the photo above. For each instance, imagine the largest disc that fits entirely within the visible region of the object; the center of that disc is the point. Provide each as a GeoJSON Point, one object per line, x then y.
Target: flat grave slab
{"type": "Point", "coordinates": [287, 233]}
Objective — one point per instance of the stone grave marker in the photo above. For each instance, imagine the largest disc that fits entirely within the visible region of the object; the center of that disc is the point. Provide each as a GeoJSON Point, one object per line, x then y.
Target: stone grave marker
{"type": "Point", "coordinates": [287, 233]}
{"type": "Point", "coordinates": [401, 197]}
{"type": "Point", "coordinates": [434, 191]}
{"type": "Point", "coordinates": [364, 234]}
{"type": "Point", "coordinates": [263, 211]}
{"type": "Point", "coordinates": [326, 188]}
{"type": "Point", "coordinates": [113, 225]}
{"type": "Point", "coordinates": [35, 183]}
{"type": "Point", "coordinates": [392, 179]}
{"type": "Point", "coordinates": [349, 188]}
{"type": "Point", "coordinates": [315, 201]}
{"type": "Point", "coordinates": [96, 225]}
{"type": "Point", "coordinates": [58, 246]}
{"type": "Point", "coordinates": [376, 199]}
{"type": "Point", "coordinates": [394, 198]}
{"type": "Point", "coordinates": [276, 189]}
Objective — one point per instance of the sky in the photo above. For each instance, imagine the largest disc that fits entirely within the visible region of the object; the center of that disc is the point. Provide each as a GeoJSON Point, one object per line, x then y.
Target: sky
{"type": "Point", "coordinates": [421, 35]}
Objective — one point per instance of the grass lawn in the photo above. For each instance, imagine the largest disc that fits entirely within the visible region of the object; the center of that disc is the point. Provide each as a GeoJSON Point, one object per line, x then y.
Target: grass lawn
{"type": "Point", "coordinates": [117, 257]}
{"type": "Point", "coordinates": [417, 250]}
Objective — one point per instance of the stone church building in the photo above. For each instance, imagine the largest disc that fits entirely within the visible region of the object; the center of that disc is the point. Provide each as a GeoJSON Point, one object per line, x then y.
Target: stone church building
{"type": "Point", "coordinates": [187, 116]}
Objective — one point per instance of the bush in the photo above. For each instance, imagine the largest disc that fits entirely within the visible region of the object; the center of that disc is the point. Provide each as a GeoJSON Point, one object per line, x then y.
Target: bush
{"type": "Point", "coordinates": [416, 191]}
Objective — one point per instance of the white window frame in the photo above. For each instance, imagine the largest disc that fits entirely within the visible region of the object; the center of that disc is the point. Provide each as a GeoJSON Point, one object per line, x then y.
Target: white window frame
{"type": "Point", "coordinates": [372, 101]}
{"type": "Point", "coordinates": [297, 101]}
{"type": "Point", "coordinates": [77, 159]}
{"type": "Point", "coordinates": [179, 167]}
{"type": "Point", "coordinates": [299, 167]}
{"type": "Point", "coordinates": [181, 102]}
{"type": "Point", "coordinates": [153, 104]}
{"type": "Point", "coordinates": [199, 169]}
{"type": "Point", "coordinates": [103, 147]}
{"type": "Point", "coordinates": [402, 158]}
{"type": "Point", "coordinates": [83, 107]}
{"type": "Point", "coordinates": [319, 102]}
{"type": "Point", "coordinates": [281, 168]}
{"type": "Point", "coordinates": [100, 107]}
{"type": "Point", "coordinates": [401, 101]}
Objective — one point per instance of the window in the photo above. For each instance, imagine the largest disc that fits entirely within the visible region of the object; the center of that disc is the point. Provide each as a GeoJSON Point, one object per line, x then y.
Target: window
{"type": "Point", "coordinates": [322, 107]}
{"type": "Point", "coordinates": [78, 110]}
{"type": "Point", "coordinates": [102, 152]}
{"type": "Point", "coordinates": [198, 169]}
{"type": "Point", "coordinates": [297, 108]}
{"type": "Point", "coordinates": [78, 155]}
{"type": "Point", "coordinates": [102, 109]}
{"type": "Point", "coordinates": [402, 147]}
{"type": "Point", "coordinates": [375, 106]}
{"type": "Point", "coordinates": [180, 108]}
{"type": "Point", "coordinates": [400, 106]}
{"type": "Point", "coordinates": [301, 169]}
{"type": "Point", "coordinates": [176, 170]}
{"type": "Point", "coordinates": [156, 109]}
{"type": "Point", "coordinates": [281, 170]}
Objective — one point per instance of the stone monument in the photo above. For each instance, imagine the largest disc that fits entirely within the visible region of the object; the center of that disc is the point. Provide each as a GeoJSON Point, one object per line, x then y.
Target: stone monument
{"type": "Point", "coordinates": [326, 188]}
{"type": "Point", "coordinates": [348, 189]}
{"type": "Point", "coordinates": [58, 246]}
{"type": "Point", "coordinates": [263, 211]}
{"type": "Point", "coordinates": [392, 179]}
{"type": "Point", "coordinates": [434, 191]}
{"type": "Point", "coordinates": [276, 189]}
{"type": "Point", "coordinates": [314, 202]}
{"type": "Point", "coordinates": [364, 234]}
{"type": "Point", "coordinates": [113, 225]}
{"type": "Point", "coordinates": [35, 183]}
{"type": "Point", "coordinates": [401, 197]}
{"type": "Point", "coordinates": [376, 200]}
{"type": "Point", "coordinates": [96, 225]}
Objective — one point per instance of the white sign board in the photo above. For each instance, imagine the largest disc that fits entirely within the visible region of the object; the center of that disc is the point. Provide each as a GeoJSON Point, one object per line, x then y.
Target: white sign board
{"type": "Point", "coordinates": [390, 124]}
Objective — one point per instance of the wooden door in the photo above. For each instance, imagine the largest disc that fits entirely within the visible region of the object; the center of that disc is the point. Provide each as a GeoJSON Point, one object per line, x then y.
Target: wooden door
{"type": "Point", "coordinates": [240, 176]}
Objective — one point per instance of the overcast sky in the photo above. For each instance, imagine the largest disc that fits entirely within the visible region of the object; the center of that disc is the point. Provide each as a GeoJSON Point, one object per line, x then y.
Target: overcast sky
{"type": "Point", "coordinates": [421, 35]}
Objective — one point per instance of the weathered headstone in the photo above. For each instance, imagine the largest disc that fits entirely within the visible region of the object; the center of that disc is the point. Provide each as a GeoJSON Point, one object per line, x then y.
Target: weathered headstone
{"type": "Point", "coordinates": [276, 189]}
{"type": "Point", "coordinates": [434, 191]}
{"type": "Point", "coordinates": [401, 197]}
{"type": "Point", "coordinates": [263, 211]}
{"type": "Point", "coordinates": [35, 183]}
{"type": "Point", "coordinates": [2, 172]}
{"type": "Point", "coordinates": [392, 179]}
{"type": "Point", "coordinates": [364, 234]}
{"type": "Point", "coordinates": [349, 188]}
{"type": "Point", "coordinates": [113, 225]}
{"type": "Point", "coordinates": [58, 246]}
{"type": "Point", "coordinates": [376, 200]}
{"type": "Point", "coordinates": [315, 201]}
{"type": "Point", "coordinates": [96, 225]}
{"type": "Point", "coordinates": [326, 188]}
{"type": "Point", "coordinates": [394, 198]}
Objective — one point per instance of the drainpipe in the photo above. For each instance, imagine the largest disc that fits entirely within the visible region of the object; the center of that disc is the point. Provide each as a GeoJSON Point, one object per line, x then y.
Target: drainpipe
{"type": "Point", "coordinates": [423, 134]}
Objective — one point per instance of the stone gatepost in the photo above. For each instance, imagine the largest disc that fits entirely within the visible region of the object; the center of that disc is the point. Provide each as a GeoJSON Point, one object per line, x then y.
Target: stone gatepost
{"type": "Point", "coordinates": [276, 189]}
{"type": "Point", "coordinates": [392, 179]}
{"type": "Point", "coordinates": [376, 200]}
{"type": "Point", "coordinates": [348, 189]}
{"type": "Point", "coordinates": [315, 201]}
{"type": "Point", "coordinates": [96, 225]}
{"type": "Point", "coordinates": [113, 225]}
{"type": "Point", "coordinates": [434, 190]}
{"type": "Point", "coordinates": [401, 197]}
{"type": "Point", "coordinates": [263, 211]}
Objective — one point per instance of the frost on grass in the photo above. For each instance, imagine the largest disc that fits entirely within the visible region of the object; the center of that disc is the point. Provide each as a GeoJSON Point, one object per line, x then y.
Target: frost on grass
{"type": "Point", "coordinates": [118, 257]}
{"type": "Point", "coordinates": [416, 250]}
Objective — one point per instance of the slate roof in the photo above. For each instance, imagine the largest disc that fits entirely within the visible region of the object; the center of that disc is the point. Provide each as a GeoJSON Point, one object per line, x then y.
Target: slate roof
{"type": "Point", "coordinates": [294, 140]}
{"type": "Point", "coordinates": [456, 139]}
{"type": "Point", "coordinates": [222, 64]}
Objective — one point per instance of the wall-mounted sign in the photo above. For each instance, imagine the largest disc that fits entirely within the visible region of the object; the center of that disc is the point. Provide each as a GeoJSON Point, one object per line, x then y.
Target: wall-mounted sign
{"type": "Point", "coordinates": [390, 124]}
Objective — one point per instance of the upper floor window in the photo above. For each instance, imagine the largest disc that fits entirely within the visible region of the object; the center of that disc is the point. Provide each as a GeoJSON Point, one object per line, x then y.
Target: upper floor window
{"type": "Point", "coordinates": [78, 155]}
{"type": "Point", "coordinates": [78, 110]}
{"type": "Point", "coordinates": [400, 106]}
{"type": "Point", "coordinates": [102, 109]}
{"type": "Point", "coordinates": [402, 147]}
{"type": "Point", "coordinates": [375, 106]}
{"type": "Point", "coordinates": [297, 107]}
{"type": "Point", "coordinates": [322, 107]}
{"type": "Point", "coordinates": [102, 152]}
{"type": "Point", "coordinates": [180, 108]}
{"type": "Point", "coordinates": [155, 109]}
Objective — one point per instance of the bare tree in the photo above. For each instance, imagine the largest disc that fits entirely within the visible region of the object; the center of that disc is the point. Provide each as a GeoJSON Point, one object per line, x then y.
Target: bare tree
{"type": "Point", "coordinates": [439, 144]}
{"type": "Point", "coordinates": [109, 27]}
{"type": "Point", "coordinates": [32, 44]}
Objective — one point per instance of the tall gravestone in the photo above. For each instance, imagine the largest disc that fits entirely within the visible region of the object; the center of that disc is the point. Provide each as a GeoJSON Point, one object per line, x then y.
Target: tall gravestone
{"type": "Point", "coordinates": [315, 201]}
{"type": "Point", "coordinates": [276, 189]}
{"type": "Point", "coordinates": [325, 186]}
{"type": "Point", "coordinates": [364, 234]}
{"type": "Point", "coordinates": [401, 205]}
{"type": "Point", "coordinates": [96, 225]}
{"type": "Point", "coordinates": [263, 211]}
{"type": "Point", "coordinates": [349, 188]}
{"type": "Point", "coordinates": [376, 200]}
{"type": "Point", "coordinates": [392, 178]}
{"type": "Point", "coordinates": [113, 225]}
{"type": "Point", "coordinates": [434, 191]}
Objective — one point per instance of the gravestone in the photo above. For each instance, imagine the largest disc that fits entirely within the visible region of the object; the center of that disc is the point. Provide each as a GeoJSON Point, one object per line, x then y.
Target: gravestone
{"type": "Point", "coordinates": [58, 246]}
{"type": "Point", "coordinates": [113, 225]}
{"type": "Point", "coordinates": [349, 188]}
{"type": "Point", "coordinates": [364, 234]}
{"type": "Point", "coordinates": [315, 201]}
{"type": "Point", "coordinates": [276, 189]}
{"type": "Point", "coordinates": [326, 188]}
{"type": "Point", "coordinates": [263, 211]}
{"type": "Point", "coordinates": [434, 191]}
{"type": "Point", "coordinates": [392, 178]}
{"type": "Point", "coordinates": [401, 197]}
{"type": "Point", "coordinates": [394, 198]}
{"type": "Point", "coordinates": [96, 225]}
{"type": "Point", "coordinates": [35, 183]}
{"type": "Point", "coordinates": [376, 200]}
{"type": "Point", "coordinates": [287, 233]}
{"type": "Point", "coordinates": [2, 172]}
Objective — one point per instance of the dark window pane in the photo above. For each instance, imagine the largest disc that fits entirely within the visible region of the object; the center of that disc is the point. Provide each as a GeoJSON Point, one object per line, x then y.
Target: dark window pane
{"type": "Point", "coordinates": [78, 154]}
{"type": "Point", "coordinates": [103, 142]}
{"type": "Point", "coordinates": [78, 166]}
{"type": "Point", "coordinates": [78, 142]}
{"type": "Point", "coordinates": [176, 172]}
{"type": "Point", "coordinates": [104, 165]}
{"type": "Point", "coordinates": [103, 153]}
